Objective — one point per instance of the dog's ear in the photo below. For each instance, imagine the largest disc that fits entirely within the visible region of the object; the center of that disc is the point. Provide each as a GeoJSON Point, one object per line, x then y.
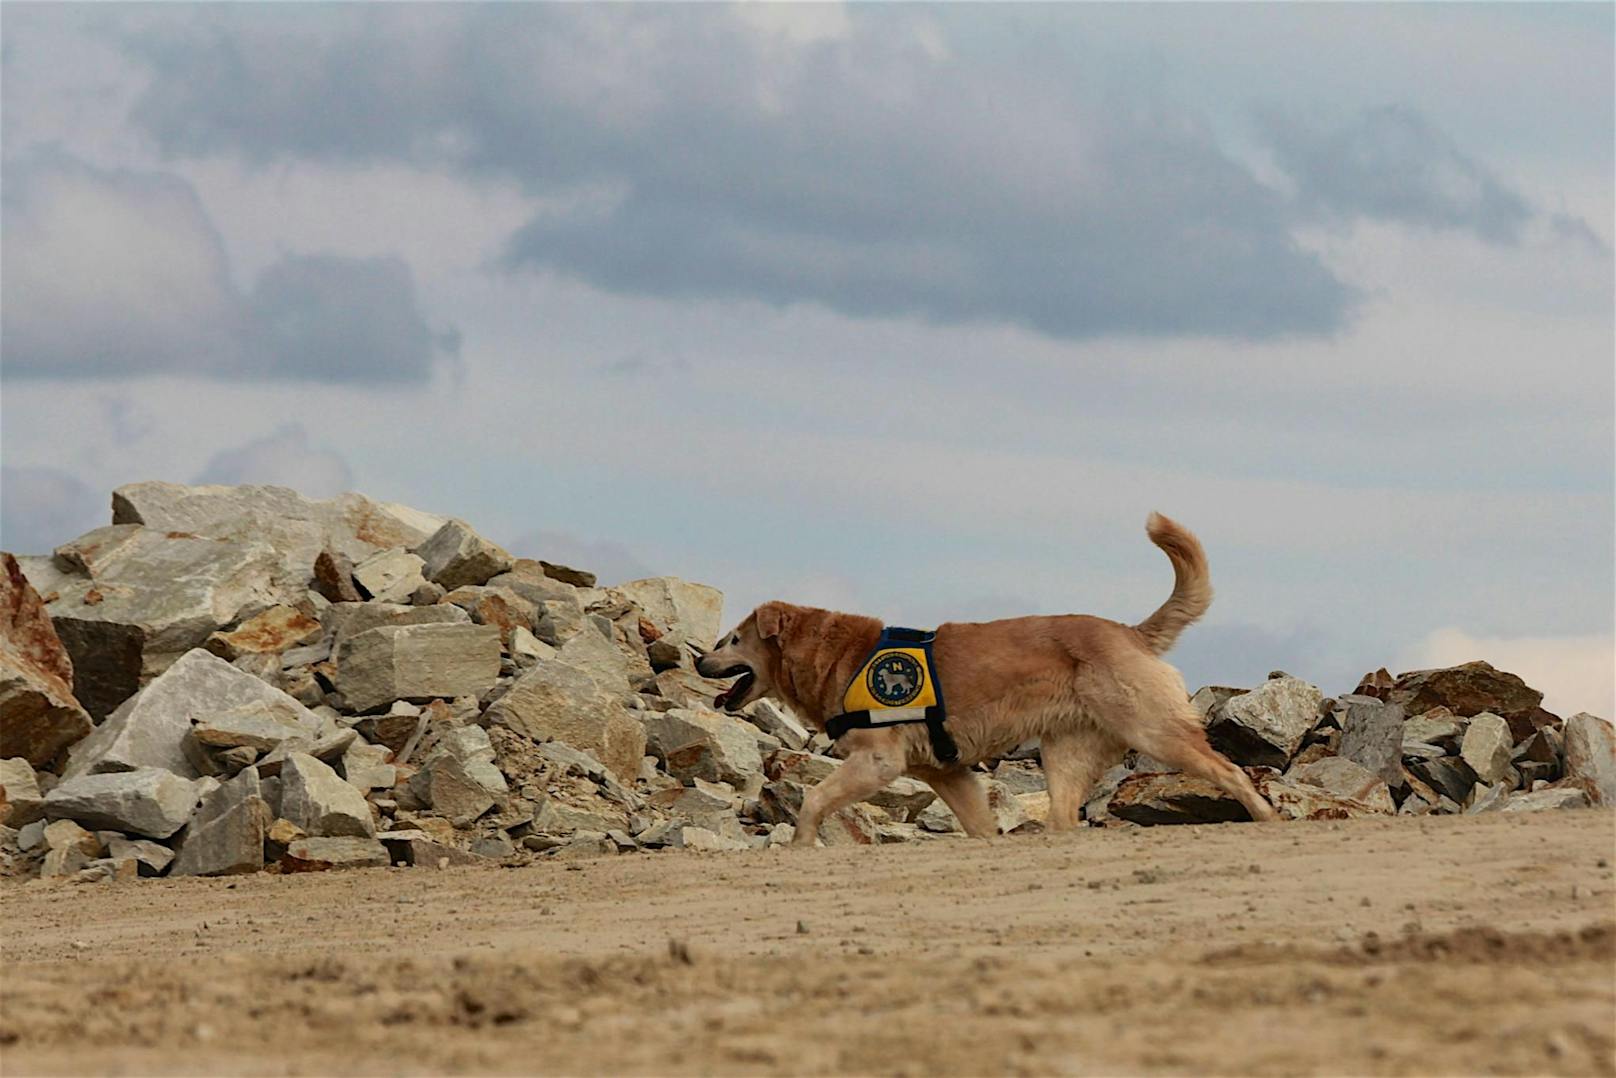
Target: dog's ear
{"type": "Point", "coordinates": [773, 619]}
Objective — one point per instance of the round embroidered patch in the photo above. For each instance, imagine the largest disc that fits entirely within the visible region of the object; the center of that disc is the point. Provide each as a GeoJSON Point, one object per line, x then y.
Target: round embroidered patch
{"type": "Point", "coordinates": [894, 679]}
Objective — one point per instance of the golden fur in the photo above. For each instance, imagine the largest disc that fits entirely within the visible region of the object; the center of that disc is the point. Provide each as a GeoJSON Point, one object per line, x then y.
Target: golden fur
{"type": "Point", "coordinates": [1085, 687]}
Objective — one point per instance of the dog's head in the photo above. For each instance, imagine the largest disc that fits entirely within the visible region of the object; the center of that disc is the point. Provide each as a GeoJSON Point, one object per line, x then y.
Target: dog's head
{"type": "Point", "coordinates": [750, 654]}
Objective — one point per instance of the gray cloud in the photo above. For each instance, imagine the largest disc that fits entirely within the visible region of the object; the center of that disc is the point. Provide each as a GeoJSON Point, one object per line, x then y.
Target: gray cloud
{"type": "Point", "coordinates": [690, 153]}
{"type": "Point", "coordinates": [282, 458]}
{"type": "Point", "coordinates": [1391, 164]}
{"type": "Point", "coordinates": [42, 508]}
{"type": "Point", "coordinates": [115, 272]}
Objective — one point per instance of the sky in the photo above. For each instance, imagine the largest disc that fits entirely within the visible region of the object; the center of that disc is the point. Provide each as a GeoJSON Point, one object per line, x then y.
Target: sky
{"type": "Point", "coordinates": [916, 311]}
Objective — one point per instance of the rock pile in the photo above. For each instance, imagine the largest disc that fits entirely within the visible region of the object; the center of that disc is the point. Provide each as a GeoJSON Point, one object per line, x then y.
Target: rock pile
{"type": "Point", "coordinates": [234, 679]}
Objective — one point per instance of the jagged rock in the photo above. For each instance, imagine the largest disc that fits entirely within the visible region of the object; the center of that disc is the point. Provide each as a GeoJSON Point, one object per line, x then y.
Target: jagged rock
{"type": "Point", "coordinates": [324, 854]}
{"type": "Point", "coordinates": [702, 744]}
{"type": "Point", "coordinates": [68, 834]}
{"type": "Point", "coordinates": [1341, 777]}
{"type": "Point", "coordinates": [147, 801]}
{"type": "Point", "coordinates": [226, 834]}
{"type": "Point", "coordinates": [1590, 756]}
{"type": "Point", "coordinates": [502, 608]}
{"type": "Point", "coordinates": [328, 750]}
{"type": "Point", "coordinates": [62, 863]}
{"type": "Point", "coordinates": [1302, 801]}
{"type": "Point", "coordinates": [350, 524]}
{"type": "Point", "coordinates": [333, 577]}
{"type": "Point", "coordinates": [686, 688]}
{"type": "Point", "coordinates": [528, 579]}
{"type": "Point", "coordinates": [1448, 776]}
{"type": "Point", "coordinates": [345, 620]}
{"type": "Point", "coordinates": [411, 846]}
{"type": "Point", "coordinates": [1157, 798]}
{"type": "Point", "coordinates": [152, 598]}
{"type": "Point", "coordinates": [528, 649]}
{"type": "Point", "coordinates": [558, 818]}
{"type": "Point", "coordinates": [1550, 797]}
{"type": "Point", "coordinates": [444, 785]}
{"type": "Point", "coordinates": [393, 729]}
{"type": "Point", "coordinates": [151, 858]}
{"type": "Point", "coordinates": [456, 555]}
{"type": "Point", "coordinates": [1438, 726]}
{"type": "Point", "coordinates": [692, 837]}
{"type": "Point", "coordinates": [1372, 736]}
{"type": "Point", "coordinates": [471, 746]}
{"type": "Point", "coordinates": [149, 730]}
{"type": "Point", "coordinates": [20, 800]}
{"type": "Point", "coordinates": [557, 702]}
{"type": "Point", "coordinates": [776, 721]}
{"type": "Point", "coordinates": [1266, 726]}
{"type": "Point", "coordinates": [275, 630]}
{"type": "Point", "coordinates": [1209, 698]}
{"type": "Point", "coordinates": [1486, 747]}
{"type": "Point", "coordinates": [804, 767]}
{"type": "Point", "coordinates": [689, 611]}
{"type": "Point", "coordinates": [595, 654]}
{"type": "Point", "coordinates": [315, 798]}
{"type": "Point", "coordinates": [578, 578]}
{"type": "Point", "coordinates": [664, 654]}
{"type": "Point", "coordinates": [905, 798]}
{"type": "Point", "coordinates": [1466, 690]}
{"type": "Point", "coordinates": [417, 662]}
{"type": "Point", "coordinates": [258, 725]}
{"type": "Point", "coordinates": [39, 715]}
{"type": "Point", "coordinates": [1097, 807]}
{"type": "Point", "coordinates": [390, 576]}
{"type": "Point", "coordinates": [366, 767]}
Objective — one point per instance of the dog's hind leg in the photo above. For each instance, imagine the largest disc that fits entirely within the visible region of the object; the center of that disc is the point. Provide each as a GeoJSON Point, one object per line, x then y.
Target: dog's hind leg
{"type": "Point", "coordinates": [862, 774]}
{"type": "Point", "coordinates": [1181, 743]}
{"type": "Point", "coordinates": [1072, 760]}
{"type": "Point", "coordinates": [964, 795]}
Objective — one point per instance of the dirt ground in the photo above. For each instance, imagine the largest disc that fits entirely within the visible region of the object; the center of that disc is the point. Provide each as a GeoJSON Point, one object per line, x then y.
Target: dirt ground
{"type": "Point", "coordinates": [1434, 946]}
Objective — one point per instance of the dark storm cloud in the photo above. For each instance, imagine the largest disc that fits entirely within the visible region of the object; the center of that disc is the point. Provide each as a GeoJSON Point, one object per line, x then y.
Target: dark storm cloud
{"type": "Point", "coordinates": [113, 272]}
{"type": "Point", "coordinates": [1391, 164]}
{"type": "Point", "coordinates": [687, 153]}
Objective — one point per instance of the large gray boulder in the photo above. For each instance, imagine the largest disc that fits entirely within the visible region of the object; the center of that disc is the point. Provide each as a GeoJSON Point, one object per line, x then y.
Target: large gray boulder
{"type": "Point", "coordinates": [417, 662]}
{"type": "Point", "coordinates": [316, 798]}
{"type": "Point", "coordinates": [1486, 747]}
{"type": "Point", "coordinates": [456, 555]}
{"type": "Point", "coordinates": [350, 524]}
{"type": "Point", "coordinates": [148, 801]}
{"type": "Point", "coordinates": [226, 833]}
{"type": "Point", "coordinates": [703, 744]}
{"type": "Point", "coordinates": [1372, 736]}
{"type": "Point", "coordinates": [596, 655]}
{"type": "Point", "coordinates": [345, 620]}
{"type": "Point", "coordinates": [1265, 727]}
{"type": "Point", "coordinates": [149, 730]}
{"type": "Point", "coordinates": [149, 596]}
{"type": "Point", "coordinates": [390, 576]}
{"type": "Point", "coordinates": [1590, 756]}
{"type": "Point", "coordinates": [1341, 777]}
{"type": "Point", "coordinates": [557, 702]}
{"type": "Point", "coordinates": [687, 610]}
{"type": "Point", "coordinates": [39, 715]}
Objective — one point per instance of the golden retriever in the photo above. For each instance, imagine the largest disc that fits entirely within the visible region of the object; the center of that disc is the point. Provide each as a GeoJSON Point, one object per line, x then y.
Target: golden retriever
{"type": "Point", "coordinates": [1085, 687]}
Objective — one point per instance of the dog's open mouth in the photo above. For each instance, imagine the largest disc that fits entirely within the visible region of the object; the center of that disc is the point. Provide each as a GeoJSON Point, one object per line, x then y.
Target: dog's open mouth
{"type": "Point", "coordinates": [737, 691]}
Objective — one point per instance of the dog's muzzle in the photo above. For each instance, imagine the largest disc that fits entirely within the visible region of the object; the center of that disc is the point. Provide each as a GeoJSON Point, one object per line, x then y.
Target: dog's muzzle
{"type": "Point", "coordinates": [736, 692]}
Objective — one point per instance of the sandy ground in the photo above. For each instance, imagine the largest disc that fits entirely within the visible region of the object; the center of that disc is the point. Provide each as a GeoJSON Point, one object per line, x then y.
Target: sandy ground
{"type": "Point", "coordinates": [1448, 945]}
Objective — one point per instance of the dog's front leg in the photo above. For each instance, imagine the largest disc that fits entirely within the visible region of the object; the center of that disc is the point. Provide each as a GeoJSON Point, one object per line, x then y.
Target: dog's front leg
{"type": "Point", "coordinates": [863, 773]}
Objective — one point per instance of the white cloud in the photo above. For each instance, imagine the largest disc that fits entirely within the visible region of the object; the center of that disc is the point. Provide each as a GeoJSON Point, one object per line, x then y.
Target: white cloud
{"type": "Point", "coordinates": [1574, 673]}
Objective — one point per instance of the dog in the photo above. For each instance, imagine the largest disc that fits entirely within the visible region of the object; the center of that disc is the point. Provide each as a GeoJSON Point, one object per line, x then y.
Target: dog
{"type": "Point", "coordinates": [896, 684]}
{"type": "Point", "coordinates": [1087, 688]}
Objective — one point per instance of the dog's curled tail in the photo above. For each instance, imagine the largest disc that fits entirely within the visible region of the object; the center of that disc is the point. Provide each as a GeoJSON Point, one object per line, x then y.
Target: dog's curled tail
{"type": "Point", "coordinates": [1192, 583]}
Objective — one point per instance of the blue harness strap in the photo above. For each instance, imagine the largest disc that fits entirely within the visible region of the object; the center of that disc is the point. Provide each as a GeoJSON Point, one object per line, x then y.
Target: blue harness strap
{"type": "Point", "coordinates": [935, 714]}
